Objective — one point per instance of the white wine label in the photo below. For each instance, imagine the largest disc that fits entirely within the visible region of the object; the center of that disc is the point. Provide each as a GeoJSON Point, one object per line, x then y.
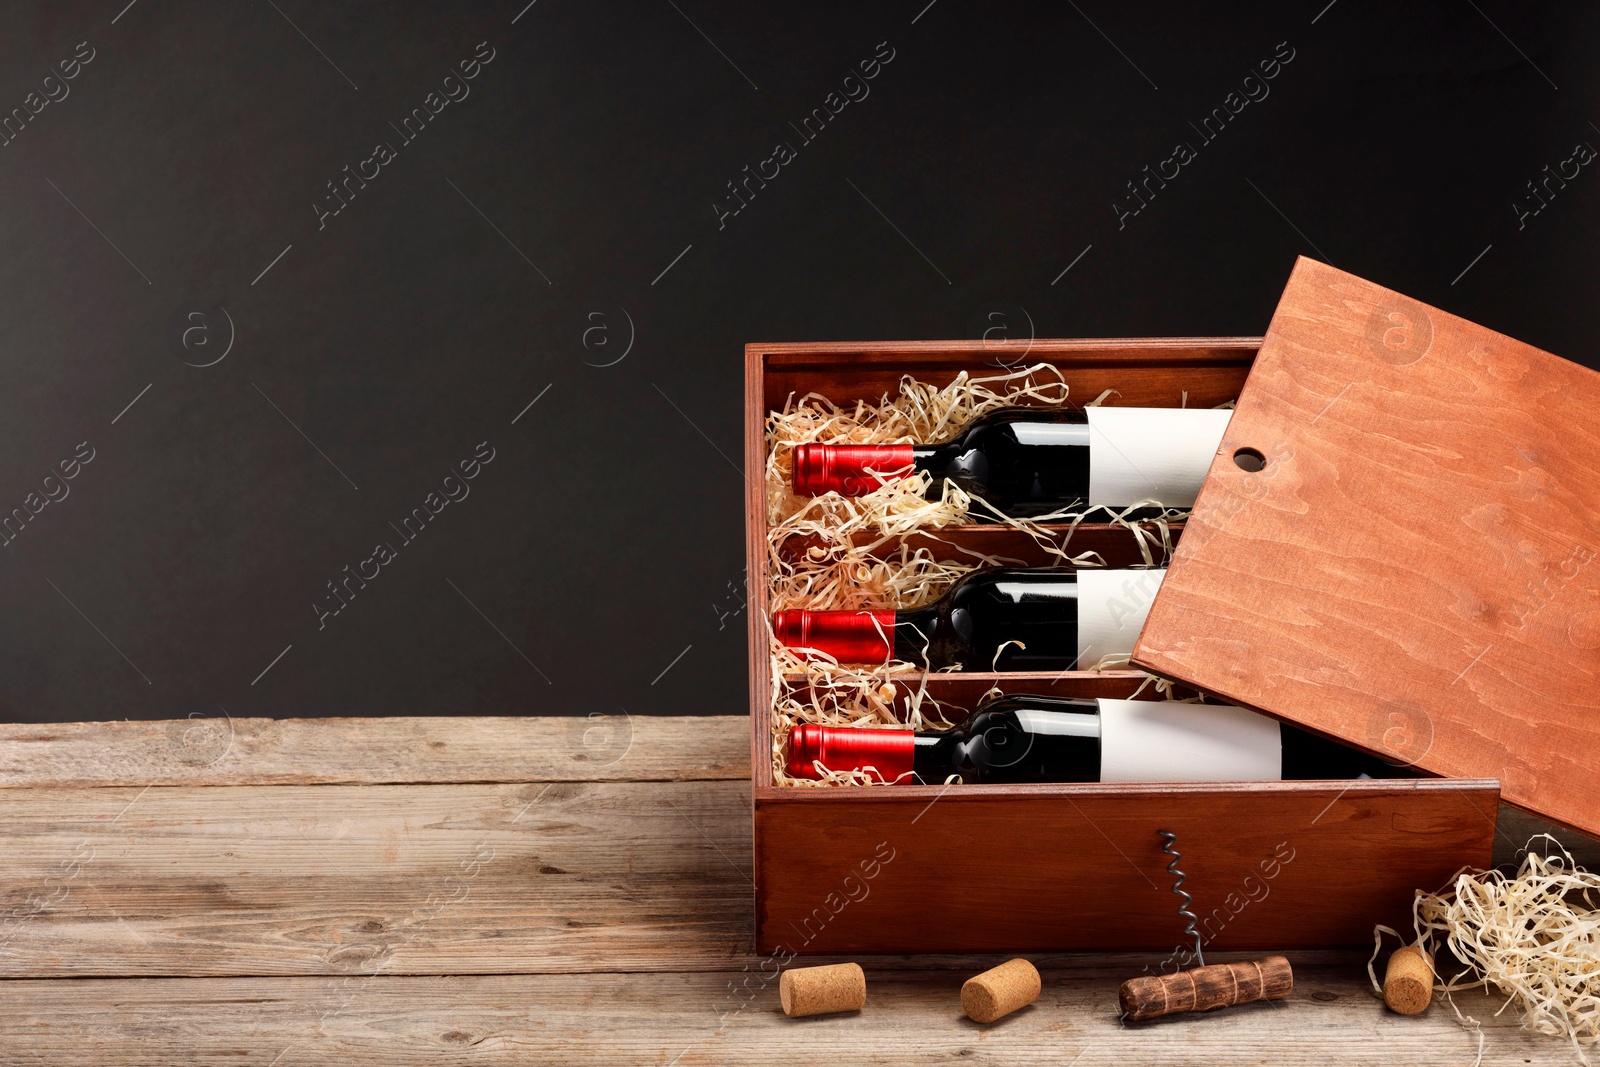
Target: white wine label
{"type": "Point", "coordinates": [1111, 610]}
{"type": "Point", "coordinates": [1151, 453]}
{"type": "Point", "coordinates": [1170, 741]}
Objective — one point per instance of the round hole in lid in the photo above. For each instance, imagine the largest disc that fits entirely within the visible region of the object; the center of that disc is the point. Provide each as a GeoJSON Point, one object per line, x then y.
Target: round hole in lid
{"type": "Point", "coordinates": [1248, 459]}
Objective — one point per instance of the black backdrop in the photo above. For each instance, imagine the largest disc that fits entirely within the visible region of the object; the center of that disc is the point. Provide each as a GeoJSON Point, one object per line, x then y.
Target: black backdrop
{"type": "Point", "coordinates": [301, 378]}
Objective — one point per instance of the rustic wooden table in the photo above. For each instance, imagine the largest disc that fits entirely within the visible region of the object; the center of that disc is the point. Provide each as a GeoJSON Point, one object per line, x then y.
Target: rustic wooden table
{"type": "Point", "coordinates": [513, 890]}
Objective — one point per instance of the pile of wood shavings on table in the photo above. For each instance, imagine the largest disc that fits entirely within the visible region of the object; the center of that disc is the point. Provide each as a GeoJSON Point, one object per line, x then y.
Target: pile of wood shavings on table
{"type": "Point", "coordinates": [1533, 936]}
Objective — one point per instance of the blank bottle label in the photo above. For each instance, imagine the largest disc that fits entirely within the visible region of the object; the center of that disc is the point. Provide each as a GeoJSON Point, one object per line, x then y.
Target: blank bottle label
{"type": "Point", "coordinates": [1171, 741]}
{"type": "Point", "coordinates": [1112, 605]}
{"type": "Point", "coordinates": [1152, 453]}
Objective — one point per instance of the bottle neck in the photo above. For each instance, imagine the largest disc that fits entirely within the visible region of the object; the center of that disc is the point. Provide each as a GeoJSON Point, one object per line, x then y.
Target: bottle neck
{"type": "Point", "coordinates": [886, 754]}
{"type": "Point", "coordinates": [930, 764]}
{"type": "Point", "coordinates": [891, 756]}
{"type": "Point", "coordinates": [913, 631]}
{"type": "Point", "coordinates": [850, 470]}
{"type": "Point", "coordinates": [847, 636]}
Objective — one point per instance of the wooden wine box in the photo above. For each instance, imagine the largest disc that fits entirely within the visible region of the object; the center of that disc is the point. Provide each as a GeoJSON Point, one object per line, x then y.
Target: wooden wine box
{"type": "Point", "coordinates": [1271, 865]}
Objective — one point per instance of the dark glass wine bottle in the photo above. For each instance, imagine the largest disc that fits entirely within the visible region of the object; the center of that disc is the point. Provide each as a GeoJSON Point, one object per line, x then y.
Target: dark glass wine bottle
{"type": "Point", "coordinates": [1006, 619]}
{"type": "Point", "coordinates": [1056, 739]}
{"type": "Point", "coordinates": [1027, 462]}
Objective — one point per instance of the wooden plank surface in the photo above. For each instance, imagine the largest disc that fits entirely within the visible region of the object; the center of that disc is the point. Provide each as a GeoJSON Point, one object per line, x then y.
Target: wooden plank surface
{"type": "Point", "coordinates": [285, 924]}
{"type": "Point", "coordinates": [711, 1018]}
{"type": "Point", "coordinates": [228, 751]}
{"type": "Point", "coordinates": [294, 880]}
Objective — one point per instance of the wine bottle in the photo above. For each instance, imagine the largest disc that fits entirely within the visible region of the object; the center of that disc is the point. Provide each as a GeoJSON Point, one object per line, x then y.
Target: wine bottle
{"type": "Point", "coordinates": [1029, 461]}
{"type": "Point", "coordinates": [1056, 739]}
{"type": "Point", "coordinates": [1000, 618]}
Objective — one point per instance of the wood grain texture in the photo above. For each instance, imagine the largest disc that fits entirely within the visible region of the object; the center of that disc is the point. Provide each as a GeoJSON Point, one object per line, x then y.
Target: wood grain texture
{"type": "Point", "coordinates": [758, 577]}
{"type": "Point", "coordinates": [227, 751]}
{"type": "Point", "coordinates": [1216, 985]}
{"type": "Point", "coordinates": [611, 924]}
{"type": "Point", "coordinates": [1414, 569]}
{"type": "Point", "coordinates": [1272, 866]}
{"type": "Point", "coordinates": [1145, 371]}
{"type": "Point", "coordinates": [715, 1018]}
{"type": "Point", "coordinates": [340, 879]}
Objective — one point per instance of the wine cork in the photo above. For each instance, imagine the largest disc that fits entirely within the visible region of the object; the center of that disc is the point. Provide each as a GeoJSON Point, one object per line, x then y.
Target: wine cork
{"type": "Point", "coordinates": [1408, 981]}
{"type": "Point", "coordinates": [1000, 991]}
{"type": "Point", "coordinates": [820, 990]}
{"type": "Point", "coordinates": [1203, 988]}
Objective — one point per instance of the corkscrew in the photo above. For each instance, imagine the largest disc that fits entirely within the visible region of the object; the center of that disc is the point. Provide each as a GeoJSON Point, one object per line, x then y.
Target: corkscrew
{"type": "Point", "coordinates": [1202, 988]}
{"type": "Point", "coordinates": [1185, 910]}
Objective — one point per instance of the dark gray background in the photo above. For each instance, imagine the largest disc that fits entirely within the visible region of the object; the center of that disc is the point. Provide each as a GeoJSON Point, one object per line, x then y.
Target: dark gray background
{"type": "Point", "coordinates": [604, 542]}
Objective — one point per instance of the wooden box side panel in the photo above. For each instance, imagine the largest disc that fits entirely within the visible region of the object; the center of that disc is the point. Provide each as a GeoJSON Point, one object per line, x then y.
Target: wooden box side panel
{"type": "Point", "coordinates": [756, 582]}
{"type": "Point", "coordinates": [1150, 372]}
{"type": "Point", "coordinates": [757, 572]}
{"type": "Point", "coordinates": [1270, 866]}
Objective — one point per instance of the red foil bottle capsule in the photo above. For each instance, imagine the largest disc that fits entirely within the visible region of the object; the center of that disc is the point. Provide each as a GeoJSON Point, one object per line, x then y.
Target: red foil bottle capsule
{"type": "Point", "coordinates": [888, 752]}
{"type": "Point", "coordinates": [847, 636]}
{"type": "Point", "coordinates": [848, 469]}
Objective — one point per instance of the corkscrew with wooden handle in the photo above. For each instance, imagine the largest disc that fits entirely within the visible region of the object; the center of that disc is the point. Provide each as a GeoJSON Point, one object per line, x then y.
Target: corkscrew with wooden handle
{"type": "Point", "coordinates": [1202, 988]}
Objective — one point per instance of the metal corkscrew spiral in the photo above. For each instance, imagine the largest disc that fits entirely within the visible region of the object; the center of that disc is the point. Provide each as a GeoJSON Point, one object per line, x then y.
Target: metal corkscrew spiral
{"type": "Point", "coordinates": [1201, 988]}
{"type": "Point", "coordinates": [1177, 887]}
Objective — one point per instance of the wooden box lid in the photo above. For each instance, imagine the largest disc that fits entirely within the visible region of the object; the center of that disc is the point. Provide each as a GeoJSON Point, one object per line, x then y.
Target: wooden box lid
{"type": "Point", "coordinates": [1412, 570]}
